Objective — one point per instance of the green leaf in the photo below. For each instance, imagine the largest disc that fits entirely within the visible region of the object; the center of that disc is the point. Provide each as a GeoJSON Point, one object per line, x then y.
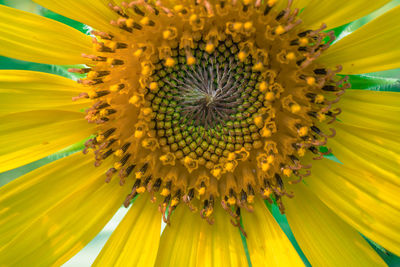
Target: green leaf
{"type": "Point", "coordinates": [374, 82]}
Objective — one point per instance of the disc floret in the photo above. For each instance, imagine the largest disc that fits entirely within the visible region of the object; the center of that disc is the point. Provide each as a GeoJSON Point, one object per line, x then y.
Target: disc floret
{"type": "Point", "coordinates": [210, 103]}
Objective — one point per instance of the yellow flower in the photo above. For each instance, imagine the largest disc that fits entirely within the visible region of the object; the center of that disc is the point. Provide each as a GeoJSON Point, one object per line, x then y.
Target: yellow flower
{"type": "Point", "coordinates": [206, 109]}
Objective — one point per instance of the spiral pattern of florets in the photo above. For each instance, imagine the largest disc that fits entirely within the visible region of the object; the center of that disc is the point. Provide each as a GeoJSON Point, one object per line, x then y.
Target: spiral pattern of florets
{"type": "Point", "coordinates": [211, 101]}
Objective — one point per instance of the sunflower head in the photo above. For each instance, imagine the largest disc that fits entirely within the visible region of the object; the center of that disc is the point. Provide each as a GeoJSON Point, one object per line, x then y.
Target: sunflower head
{"type": "Point", "coordinates": [211, 101]}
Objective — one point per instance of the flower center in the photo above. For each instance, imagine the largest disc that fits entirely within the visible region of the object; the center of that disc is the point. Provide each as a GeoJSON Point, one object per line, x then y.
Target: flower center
{"type": "Point", "coordinates": [210, 102]}
{"type": "Point", "coordinates": [205, 93]}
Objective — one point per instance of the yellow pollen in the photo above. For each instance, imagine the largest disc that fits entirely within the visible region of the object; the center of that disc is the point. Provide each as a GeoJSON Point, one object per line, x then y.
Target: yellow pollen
{"type": "Point", "coordinates": [263, 86]}
{"type": "Point", "coordinates": [303, 41]}
{"type": "Point", "coordinates": [119, 153]}
{"type": "Point", "coordinates": [134, 99]}
{"type": "Point", "coordinates": [193, 18]}
{"type": "Point", "coordinates": [114, 88]}
{"type": "Point", "coordinates": [265, 166]}
{"type": "Point", "coordinates": [103, 113]}
{"type": "Point", "coordinates": [280, 30]}
{"type": "Point", "coordinates": [145, 21]}
{"type": "Point", "coordinates": [287, 172]}
{"type": "Point", "coordinates": [232, 201]}
{"type": "Point", "coordinates": [100, 138]}
{"type": "Point", "coordinates": [270, 96]}
{"type": "Point", "coordinates": [265, 132]}
{"type": "Point", "coordinates": [250, 199]}
{"type": "Point", "coordinates": [310, 80]}
{"type": "Point", "coordinates": [258, 66]}
{"type": "Point", "coordinates": [303, 131]}
{"type": "Point", "coordinates": [319, 99]}
{"type": "Point", "coordinates": [247, 2]}
{"type": "Point", "coordinates": [165, 192]}
{"type": "Point", "coordinates": [242, 56]}
{"type": "Point", "coordinates": [201, 191]}
{"type": "Point", "coordinates": [138, 53]}
{"type": "Point", "coordinates": [146, 70]}
{"type": "Point", "coordinates": [295, 108]}
{"type": "Point", "coordinates": [129, 23]}
{"type": "Point", "coordinates": [167, 34]}
{"type": "Point", "coordinates": [178, 8]}
{"type": "Point", "coordinates": [153, 86]}
{"type": "Point", "coordinates": [174, 202]}
{"type": "Point", "coordinates": [117, 165]}
{"type": "Point", "coordinates": [216, 172]}
{"type": "Point", "coordinates": [138, 174]}
{"type": "Point", "coordinates": [208, 212]}
{"type": "Point", "coordinates": [147, 111]}
{"type": "Point", "coordinates": [301, 151]}
{"type": "Point", "coordinates": [321, 116]}
{"type": "Point", "coordinates": [267, 192]}
{"type": "Point", "coordinates": [248, 26]}
{"type": "Point", "coordinates": [138, 134]}
{"type": "Point", "coordinates": [170, 62]}
{"type": "Point", "coordinates": [141, 189]}
{"type": "Point", "coordinates": [210, 48]}
{"type": "Point", "coordinates": [258, 121]}
{"type": "Point", "coordinates": [237, 26]}
{"type": "Point", "coordinates": [191, 60]}
{"type": "Point", "coordinates": [229, 166]}
{"type": "Point", "coordinates": [291, 56]}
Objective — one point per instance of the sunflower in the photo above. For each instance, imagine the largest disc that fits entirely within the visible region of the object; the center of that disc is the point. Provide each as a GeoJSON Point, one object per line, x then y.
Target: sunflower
{"type": "Point", "coordinates": [199, 113]}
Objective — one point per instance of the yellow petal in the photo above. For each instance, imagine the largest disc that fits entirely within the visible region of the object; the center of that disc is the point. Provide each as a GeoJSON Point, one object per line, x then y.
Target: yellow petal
{"type": "Point", "coordinates": [367, 202]}
{"type": "Point", "coordinates": [337, 12]}
{"type": "Point", "coordinates": [130, 244]}
{"type": "Point", "coordinates": [29, 136]}
{"type": "Point", "coordinates": [370, 150]}
{"type": "Point", "coordinates": [267, 243]}
{"type": "Point", "coordinates": [20, 201]}
{"type": "Point", "coordinates": [376, 110]}
{"type": "Point", "coordinates": [191, 241]}
{"type": "Point", "coordinates": [94, 13]}
{"type": "Point", "coordinates": [373, 47]}
{"type": "Point", "coordinates": [34, 38]}
{"type": "Point", "coordinates": [325, 239]}
{"type": "Point", "coordinates": [60, 227]}
{"type": "Point", "coordinates": [22, 90]}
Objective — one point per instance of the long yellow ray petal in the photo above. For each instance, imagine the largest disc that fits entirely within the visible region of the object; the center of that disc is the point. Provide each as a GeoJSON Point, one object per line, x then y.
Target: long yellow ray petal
{"type": "Point", "coordinates": [365, 201]}
{"type": "Point", "coordinates": [361, 147]}
{"type": "Point", "coordinates": [267, 243]}
{"type": "Point", "coordinates": [54, 236]}
{"type": "Point", "coordinates": [376, 110]}
{"type": "Point", "coordinates": [336, 13]}
{"type": "Point", "coordinates": [94, 13]}
{"type": "Point", "coordinates": [20, 202]}
{"type": "Point", "coordinates": [34, 38]}
{"type": "Point", "coordinates": [325, 239]}
{"type": "Point", "coordinates": [373, 47]}
{"type": "Point", "coordinates": [29, 136]}
{"type": "Point", "coordinates": [191, 241]}
{"type": "Point", "coordinates": [130, 244]}
{"type": "Point", "coordinates": [22, 90]}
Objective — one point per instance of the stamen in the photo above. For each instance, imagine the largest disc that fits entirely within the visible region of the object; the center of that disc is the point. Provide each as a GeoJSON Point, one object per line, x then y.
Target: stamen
{"type": "Point", "coordinates": [206, 102]}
